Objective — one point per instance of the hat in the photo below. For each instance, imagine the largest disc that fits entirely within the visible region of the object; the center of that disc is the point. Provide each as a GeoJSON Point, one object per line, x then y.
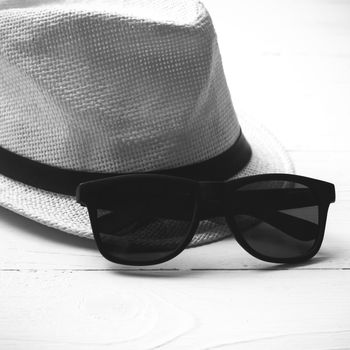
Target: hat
{"type": "Point", "coordinates": [90, 89]}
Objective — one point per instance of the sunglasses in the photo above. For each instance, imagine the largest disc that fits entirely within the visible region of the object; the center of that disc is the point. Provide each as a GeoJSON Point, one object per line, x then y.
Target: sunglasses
{"type": "Point", "coordinates": [146, 219]}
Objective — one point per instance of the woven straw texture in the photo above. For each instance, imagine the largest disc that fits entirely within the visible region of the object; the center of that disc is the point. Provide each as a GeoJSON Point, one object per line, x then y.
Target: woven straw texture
{"type": "Point", "coordinates": [106, 91]}
{"type": "Point", "coordinates": [115, 86]}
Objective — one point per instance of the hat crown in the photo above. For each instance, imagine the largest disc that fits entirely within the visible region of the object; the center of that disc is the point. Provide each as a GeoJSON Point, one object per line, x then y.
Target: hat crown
{"type": "Point", "coordinates": [180, 12]}
{"type": "Point", "coordinates": [104, 88]}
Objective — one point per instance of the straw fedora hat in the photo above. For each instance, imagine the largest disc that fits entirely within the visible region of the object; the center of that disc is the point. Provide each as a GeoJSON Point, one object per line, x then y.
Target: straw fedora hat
{"type": "Point", "coordinates": [90, 89]}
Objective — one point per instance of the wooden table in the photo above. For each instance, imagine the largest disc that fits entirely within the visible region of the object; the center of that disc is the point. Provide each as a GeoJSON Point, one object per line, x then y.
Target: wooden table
{"type": "Point", "coordinates": [288, 65]}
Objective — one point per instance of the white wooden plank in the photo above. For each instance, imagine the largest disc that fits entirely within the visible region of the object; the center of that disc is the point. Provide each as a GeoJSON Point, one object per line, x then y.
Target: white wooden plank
{"type": "Point", "coordinates": [175, 310]}
{"type": "Point", "coordinates": [287, 64]}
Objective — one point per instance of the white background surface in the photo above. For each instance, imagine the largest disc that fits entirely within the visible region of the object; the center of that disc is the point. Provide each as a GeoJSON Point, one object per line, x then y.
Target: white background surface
{"type": "Point", "coordinates": [287, 65]}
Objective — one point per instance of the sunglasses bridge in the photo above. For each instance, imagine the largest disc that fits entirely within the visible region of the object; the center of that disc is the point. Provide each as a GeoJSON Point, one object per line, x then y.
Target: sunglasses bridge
{"type": "Point", "coordinates": [211, 199]}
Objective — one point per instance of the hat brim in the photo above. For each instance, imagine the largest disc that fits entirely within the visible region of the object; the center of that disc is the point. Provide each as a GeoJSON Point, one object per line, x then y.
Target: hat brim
{"type": "Point", "coordinates": [62, 212]}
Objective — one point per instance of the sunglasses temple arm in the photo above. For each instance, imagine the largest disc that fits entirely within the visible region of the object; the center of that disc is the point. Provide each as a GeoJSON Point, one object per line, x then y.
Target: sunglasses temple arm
{"type": "Point", "coordinates": [279, 199]}
{"type": "Point", "coordinates": [118, 220]}
{"type": "Point", "coordinates": [266, 205]}
{"type": "Point", "coordinates": [293, 226]}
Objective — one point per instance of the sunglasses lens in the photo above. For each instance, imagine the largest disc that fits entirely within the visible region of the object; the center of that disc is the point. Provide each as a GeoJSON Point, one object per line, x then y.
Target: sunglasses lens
{"type": "Point", "coordinates": [277, 219]}
{"type": "Point", "coordinates": [143, 229]}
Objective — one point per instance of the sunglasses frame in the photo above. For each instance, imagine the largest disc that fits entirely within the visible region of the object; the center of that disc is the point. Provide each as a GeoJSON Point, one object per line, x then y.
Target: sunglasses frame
{"type": "Point", "coordinates": [99, 194]}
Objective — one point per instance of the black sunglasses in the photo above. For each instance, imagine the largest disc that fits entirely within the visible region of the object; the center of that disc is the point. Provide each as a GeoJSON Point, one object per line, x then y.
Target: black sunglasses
{"type": "Point", "coordinates": [146, 219]}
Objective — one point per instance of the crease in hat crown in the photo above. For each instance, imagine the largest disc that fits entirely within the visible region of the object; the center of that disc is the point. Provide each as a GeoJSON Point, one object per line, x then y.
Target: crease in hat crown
{"type": "Point", "coordinates": [122, 87]}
